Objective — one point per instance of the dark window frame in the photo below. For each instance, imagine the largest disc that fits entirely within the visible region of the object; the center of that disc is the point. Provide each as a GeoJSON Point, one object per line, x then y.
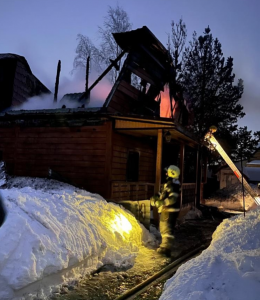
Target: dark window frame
{"type": "Point", "coordinates": [132, 166]}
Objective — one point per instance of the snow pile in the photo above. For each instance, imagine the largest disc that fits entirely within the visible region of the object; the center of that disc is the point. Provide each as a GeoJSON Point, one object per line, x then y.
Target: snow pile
{"type": "Point", "coordinates": [228, 270]}
{"type": "Point", "coordinates": [231, 198]}
{"type": "Point", "coordinates": [55, 233]}
{"type": "Point", "coordinates": [2, 174]}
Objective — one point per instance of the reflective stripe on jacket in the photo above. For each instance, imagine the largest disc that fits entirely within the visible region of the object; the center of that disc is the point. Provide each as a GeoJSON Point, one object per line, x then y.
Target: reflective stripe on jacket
{"type": "Point", "coordinates": [171, 195]}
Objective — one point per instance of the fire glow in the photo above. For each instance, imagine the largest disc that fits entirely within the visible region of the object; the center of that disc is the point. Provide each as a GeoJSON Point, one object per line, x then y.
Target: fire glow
{"type": "Point", "coordinates": [165, 106]}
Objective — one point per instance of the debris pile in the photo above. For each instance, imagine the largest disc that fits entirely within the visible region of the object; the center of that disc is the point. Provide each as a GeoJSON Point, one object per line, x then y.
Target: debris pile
{"type": "Point", "coordinates": [231, 198]}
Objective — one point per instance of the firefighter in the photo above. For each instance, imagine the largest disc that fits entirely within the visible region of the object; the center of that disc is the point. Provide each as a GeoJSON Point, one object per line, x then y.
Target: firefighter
{"type": "Point", "coordinates": [168, 204]}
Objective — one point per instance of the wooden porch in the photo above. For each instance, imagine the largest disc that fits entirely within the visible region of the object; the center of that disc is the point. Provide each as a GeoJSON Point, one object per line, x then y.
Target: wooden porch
{"type": "Point", "coordinates": [136, 191]}
{"type": "Point", "coordinates": [122, 190]}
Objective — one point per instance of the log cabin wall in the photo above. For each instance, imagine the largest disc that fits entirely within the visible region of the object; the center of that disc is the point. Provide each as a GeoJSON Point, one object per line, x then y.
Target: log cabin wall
{"type": "Point", "coordinates": [124, 98]}
{"type": "Point", "coordinates": [78, 154]}
{"type": "Point", "coordinates": [143, 188]}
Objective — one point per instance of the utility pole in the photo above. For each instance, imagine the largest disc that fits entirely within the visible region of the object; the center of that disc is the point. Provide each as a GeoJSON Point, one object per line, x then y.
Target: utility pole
{"type": "Point", "coordinates": [57, 82]}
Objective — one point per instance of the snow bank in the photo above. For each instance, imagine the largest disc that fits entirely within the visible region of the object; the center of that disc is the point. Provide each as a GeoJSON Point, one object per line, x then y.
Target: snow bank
{"type": "Point", "coordinates": [228, 270]}
{"type": "Point", "coordinates": [55, 233]}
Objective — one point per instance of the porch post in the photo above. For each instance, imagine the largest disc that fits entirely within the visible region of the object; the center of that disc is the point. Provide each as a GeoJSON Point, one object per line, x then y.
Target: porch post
{"type": "Point", "coordinates": [198, 177]}
{"type": "Point", "coordinates": [108, 163]}
{"type": "Point", "coordinates": [158, 171]}
{"type": "Point", "coordinates": [182, 151]}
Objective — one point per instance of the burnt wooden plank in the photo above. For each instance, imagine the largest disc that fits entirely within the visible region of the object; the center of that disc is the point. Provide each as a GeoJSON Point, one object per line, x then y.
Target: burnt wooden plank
{"type": "Point", "coordinates": [120, 104]}
{"type": "Point", "coordinates": [120, 154]}
{"type": "Point", "coordinates": [121, 160]}
{"type": "Point", "coordinates": [108, 160]}
{"type": "Point", "coordinates": [59, 129]}
{"type": "Point", "coordinates": [142, 74]}
{"type": "Point", "coordinates": [74, 175]}
{"type": "Point", "coordinates": [122, 99]}
{"type": "Point", "coordinates": [71, 146]}
{"type": "Point", "coordinates": [73, 140]}
{"type": "Point", "coordinates": [129, 90]}
{"type": "Point", "coordinates": [72, 163]}
{"type": "Point", "coordinates": [119, 166]}
{"type": "Point", "coordinates": [119, 172]}
{"type": "Point", "coordinates": [111, 110]}
{"type": "Point", "coordinates": [63, 135]}
{"type": "Point", "coordinates": [118, 177]}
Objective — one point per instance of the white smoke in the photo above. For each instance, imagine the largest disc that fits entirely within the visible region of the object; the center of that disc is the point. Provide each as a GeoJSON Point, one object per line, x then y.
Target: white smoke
{"type": "Point", "coordinates": [76, 84]}
{"type": "Point", "coordinates": [45, 101]}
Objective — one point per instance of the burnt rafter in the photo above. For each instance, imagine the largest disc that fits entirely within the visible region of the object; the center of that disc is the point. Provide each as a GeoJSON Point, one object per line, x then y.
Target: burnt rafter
{"type": "Point", "coordinates": [145, 72]}
{"type": "Point", "coordinates": [113, 64]}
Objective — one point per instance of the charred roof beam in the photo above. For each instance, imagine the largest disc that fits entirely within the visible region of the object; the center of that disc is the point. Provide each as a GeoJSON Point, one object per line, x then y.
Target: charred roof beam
{"type": "Point", "coordinates": [109, 68]}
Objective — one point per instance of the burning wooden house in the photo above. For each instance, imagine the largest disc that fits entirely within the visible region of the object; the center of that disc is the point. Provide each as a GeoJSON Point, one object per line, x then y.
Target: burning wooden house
{"type": "Point", "coordinates": [119, 150]}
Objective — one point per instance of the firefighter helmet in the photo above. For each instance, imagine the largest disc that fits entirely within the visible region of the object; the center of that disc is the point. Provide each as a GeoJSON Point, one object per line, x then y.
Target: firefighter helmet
{"type": "Point", "coordinates": [173, 171]}
{"type": "Point", "coordinates": [213, 129]}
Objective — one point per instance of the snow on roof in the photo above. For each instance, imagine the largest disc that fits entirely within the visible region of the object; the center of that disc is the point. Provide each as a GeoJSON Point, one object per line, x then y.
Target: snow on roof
{"type": "Point", "coordinates": [253, 174]}
{"type": "Point", "coordinates": [254, 162]}
{"type": "Point", "coordinates": [229, 269]}
{"type": "Point", "coordinates": [55, 233]}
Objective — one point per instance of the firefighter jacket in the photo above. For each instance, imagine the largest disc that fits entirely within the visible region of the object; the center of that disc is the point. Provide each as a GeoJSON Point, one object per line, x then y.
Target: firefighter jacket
{"type": "Point", "coordinates": [170, 196]}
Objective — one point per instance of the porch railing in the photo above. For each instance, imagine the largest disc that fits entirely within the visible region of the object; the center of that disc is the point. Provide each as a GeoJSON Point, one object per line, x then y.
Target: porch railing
{"type": "Point", "coordinates": [121, 190]}
{"type": "Point", "coordinates": [188, 193]}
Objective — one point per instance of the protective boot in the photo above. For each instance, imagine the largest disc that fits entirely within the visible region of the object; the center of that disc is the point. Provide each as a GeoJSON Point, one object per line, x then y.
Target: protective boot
{"type": "Point", "coordinates": [164, 251]}
{"type": "Point", "coordinates": [175, 253]}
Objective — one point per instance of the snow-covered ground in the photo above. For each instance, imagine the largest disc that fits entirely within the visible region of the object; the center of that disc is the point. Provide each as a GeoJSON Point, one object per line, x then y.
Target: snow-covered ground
{"type": "Point", "coordinates": [55, 233]}
{"type": "Point", "coordinates": [230, 268]}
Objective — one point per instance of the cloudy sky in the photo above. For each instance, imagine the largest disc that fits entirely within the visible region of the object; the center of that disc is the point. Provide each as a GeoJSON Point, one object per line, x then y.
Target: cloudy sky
{"type": "Point", "coordinates": [45, 31]}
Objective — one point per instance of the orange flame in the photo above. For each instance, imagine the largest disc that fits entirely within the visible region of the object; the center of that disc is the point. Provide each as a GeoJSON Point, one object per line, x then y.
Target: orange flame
{"type": "Point", "coordinates": [165, 108]}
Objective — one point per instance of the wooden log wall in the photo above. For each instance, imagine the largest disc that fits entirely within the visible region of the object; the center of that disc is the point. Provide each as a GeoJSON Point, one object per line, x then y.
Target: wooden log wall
{"type": "Point", "coordinates": [79, 154]}
{"type": "Point", "coordinates": [123, 98]}
{"type": "Point", "coordinates": [121, 145]}
{"type": "Point", "coordinates": [134, 191]}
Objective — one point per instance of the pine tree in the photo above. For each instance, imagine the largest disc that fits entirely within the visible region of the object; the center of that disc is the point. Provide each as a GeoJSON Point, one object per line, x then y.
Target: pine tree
{"type": "Point", "coordinates": [209, 80]}
{"type": "Point", "coordinates": [245, 143]}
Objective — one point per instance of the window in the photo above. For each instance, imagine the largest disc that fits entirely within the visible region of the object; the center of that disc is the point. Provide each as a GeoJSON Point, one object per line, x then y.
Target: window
{"type": "Point", "coordinates": [132, 167]}
{"type": "Point", "coordinates": [135, 81]}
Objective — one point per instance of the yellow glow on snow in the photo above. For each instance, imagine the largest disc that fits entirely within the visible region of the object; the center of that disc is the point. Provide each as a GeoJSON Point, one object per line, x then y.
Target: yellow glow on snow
{"type": "Point", "coordinates": [121, 225]}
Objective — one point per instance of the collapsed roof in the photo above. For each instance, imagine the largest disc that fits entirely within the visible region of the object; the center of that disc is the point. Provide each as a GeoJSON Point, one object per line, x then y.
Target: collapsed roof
{"type": "Point", "coordinates": [143, 76]}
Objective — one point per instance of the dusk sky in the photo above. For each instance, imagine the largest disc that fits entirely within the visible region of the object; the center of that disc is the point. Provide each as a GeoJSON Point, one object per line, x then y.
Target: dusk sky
{"type": "Point", "coordinates": [45, 31]}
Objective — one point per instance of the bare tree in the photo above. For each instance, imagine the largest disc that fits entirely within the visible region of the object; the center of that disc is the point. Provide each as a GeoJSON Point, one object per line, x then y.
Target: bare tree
{"type": "Point", "coordinates": [176, 43]}
{"type": "Point", "coordinates": [116, 20]}
{"type": "Point", "coordinates": [84, 50]}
